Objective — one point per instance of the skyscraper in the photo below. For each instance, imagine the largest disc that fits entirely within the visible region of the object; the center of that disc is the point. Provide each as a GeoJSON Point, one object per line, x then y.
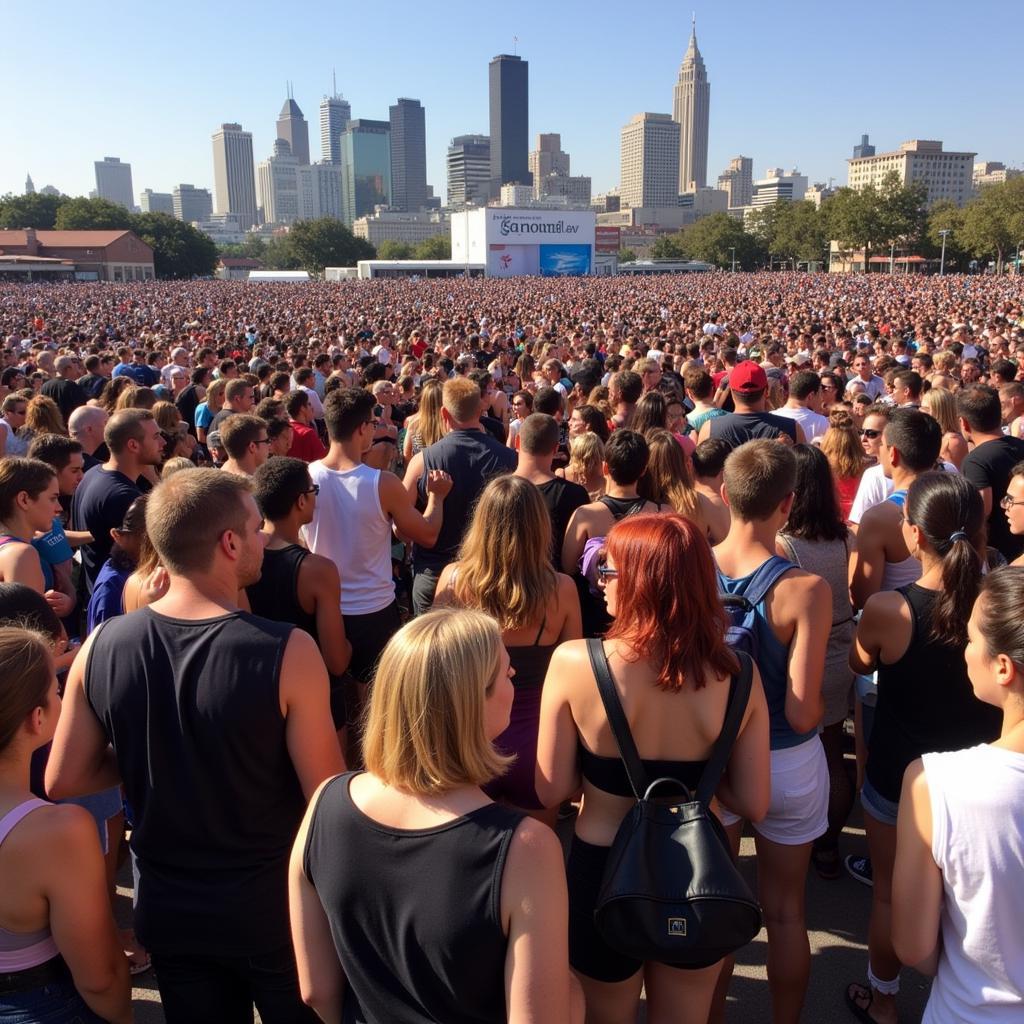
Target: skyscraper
{"type": "Point", "coordinates": [409, 191]}
{"type": "Point", "coordinates": [510, 117]}
{"type": "Point", "coordinates": [469, 171]}
{"type": "Point", "coordinates": [286, 189]}
{"type": "Point", "coordinates": [738, 180]}
{"type": "Point", "coordinates": [234, 178]}
{"type": "Point", "coordinates": [30, 189]}
{"type": "Point", "coordinates": [365, 168]}
{"type": "Point", "coordinates": [650, 161]}
{"type": "Point", "coordinates": [292, 127]}
{"type": "Point", "coordinates": [157, 202]}
{"type": "Point", "coordinates": [864, 149]}
{"type": "Point", "coordinates": [191, 203]}
{"type": "Point", "coordinates": [691, 101]}
{"type": "Point", "coordinates": [335, 114]}
{"type": "Point", "coordinates": [114, 181]}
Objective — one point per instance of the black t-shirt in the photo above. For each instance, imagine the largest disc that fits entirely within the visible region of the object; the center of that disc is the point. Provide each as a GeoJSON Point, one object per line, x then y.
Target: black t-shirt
{"type": "Point", "coordinates": [562, 498]}
{"type": "Point", "coordinates": [990, 465]}
{"type": "Point", "coordinates": [494, 427]}
{"type": "Point", "coordinates": [92, 384]}
{"type": "Point", "coordinates": [99, 504]}
{"type": "Point", "coordinates": [737, 428]}
{"type": "Point", "coordinates": [68, 394]}
{"type": "Point", "coordinates": [187, 403]}
{"type": "Point", "coordinates": [217, 420]}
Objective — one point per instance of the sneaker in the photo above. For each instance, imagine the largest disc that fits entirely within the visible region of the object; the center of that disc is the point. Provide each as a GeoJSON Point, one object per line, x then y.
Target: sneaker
{"type": "Point", "coordinates": [859, 868]}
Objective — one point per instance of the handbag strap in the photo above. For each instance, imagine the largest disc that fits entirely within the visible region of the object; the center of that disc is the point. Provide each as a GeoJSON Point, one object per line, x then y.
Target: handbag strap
{"type": "Point", "coordinates": [617, 718]}
{"type": "Point", "coordinates": [739, 695]}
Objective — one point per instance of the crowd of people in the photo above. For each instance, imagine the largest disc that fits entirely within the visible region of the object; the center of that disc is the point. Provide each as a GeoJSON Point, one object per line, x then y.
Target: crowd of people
{"type": "Point", "coordinates": [307, 593]}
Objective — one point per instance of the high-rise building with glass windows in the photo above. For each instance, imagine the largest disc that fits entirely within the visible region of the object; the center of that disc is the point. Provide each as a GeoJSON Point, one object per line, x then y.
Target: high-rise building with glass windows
{"type": "Point", "coordinates": [292, 127]}
{"type": "Point", "coordinates": [114, 181]}
{"type": "Point", "coordinates": [365, 168]}
{"type": "Point", "coordinates": [509, 79]}
{"type": "Point", "coordinates": [335, 114]}
{"type": "Point", "coordinates": [409, 190]}
{"type": "Point", "coordinates": [234, 174]}
{"type": "Point", "coordinates": [469, 171]}
{"type": "Point", "coordinates": [691, 102]}
{"type": "Point", "coordinates": [650, 161]}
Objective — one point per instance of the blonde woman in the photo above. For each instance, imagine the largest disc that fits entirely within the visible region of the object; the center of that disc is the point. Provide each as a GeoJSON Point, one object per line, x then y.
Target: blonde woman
{"type": "Point", "coordinates": [586, 464]}
{"type": "Point", "coordinates": [42, 416]}
{"type": "Point", "coordinates": [668, 480]}
{"type": "Point", "coordinates": [205, 411]}
{"type": "Point", "coordinates": [486, 939]}
{"type": "Point", "coordinates": [940, 404]}
{"type": "Point", "coordinates": [842, 446]}
{"type": "Point", "coordinates": [425, 426]}
{"type": "Point", "coordinates": [504, 569]}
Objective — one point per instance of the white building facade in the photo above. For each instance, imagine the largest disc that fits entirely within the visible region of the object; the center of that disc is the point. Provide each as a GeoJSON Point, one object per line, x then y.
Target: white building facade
{"type": "Point", "coordinates": [945, 175]}
{"type": "Point", "coordinates": [114, 181]}
{"type": "Point", "coordinates": [234, 179]}
{"type": "Point", "coordinates": [650, 161]}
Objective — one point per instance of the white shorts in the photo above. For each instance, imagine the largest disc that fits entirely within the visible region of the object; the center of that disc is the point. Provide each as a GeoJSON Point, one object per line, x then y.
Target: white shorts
{"type": "Point", "coordinates": [798, 812]}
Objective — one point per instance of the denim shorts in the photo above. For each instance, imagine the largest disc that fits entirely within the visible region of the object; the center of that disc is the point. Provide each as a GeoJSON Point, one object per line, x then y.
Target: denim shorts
{"type": "Point", "coordinates": [881, 809]}
{"type": "Point", "coordinates": [102, 806]}
{"type": "Point", "coordinates": [55, 1003]}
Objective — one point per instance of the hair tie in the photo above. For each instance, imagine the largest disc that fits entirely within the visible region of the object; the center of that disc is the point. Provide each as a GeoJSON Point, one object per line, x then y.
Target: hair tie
{"type": "Point", "coordinates": [958, 535]}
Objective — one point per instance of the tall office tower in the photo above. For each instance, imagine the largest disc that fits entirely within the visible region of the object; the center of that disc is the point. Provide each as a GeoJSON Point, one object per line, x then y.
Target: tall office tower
{"type": "Point", "coordinates": [738, 180]}
{"type": "Point", "coordinates": [864, 149]}
{"type": "Point", "coordinates": [650, 161]}
{"type": "Point", "coordinates": [157, 202]}
{"type": "Point", "coordinates": [469, 171]}
{"type": "Point", "coordinates": [547, 158]}
{"type": "Point", "coordinates": [691, 102]}
{"type": "Point", "coordinates": [30, 189]}
{"type": "Point", "coordinates": [409, 191]}
{"type": "Point", "coordinates": [191, 203]}
{"type": "Point", "coordinates": [234, 179]}
{"type": "Point", "coordinates": [510, 122]}
{"type": "Point", "coordinates": [328, 182]}
{"type": "Point", "coordinates": [287, 190]}
{"type": "Point", "coordinates": [365, 168]}
{"type": "Point", "coordinates": [114, 181]}
{"type": "Point", "coordinates": [292, 127]}
{"type": "Point", "coordinates": [335, 114]}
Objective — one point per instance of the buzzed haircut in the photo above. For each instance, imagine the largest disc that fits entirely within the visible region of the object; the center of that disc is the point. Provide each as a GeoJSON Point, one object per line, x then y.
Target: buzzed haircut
{"type": "Point", "coordinates": [296, 402]}
{"type": "Point", "coordinates": [630, 385]}
{"type": "Point", "coordinates": [804, 384]}
{"type": "Point", "coordinates": [979, 405]}
{"type": "Point", "coordinates": [626, 454]}
{"type": "Point", "coordinates": [759, 475]}
{"type": "Point", "coordinates": [910, 379]}
{"type": "Point", "coordinates": [239, 431]}
{"type": "Point", "coordinates": [270, 408]}
{"type": "Point", "coordinates": [461, 400]}
{"type": "Point", "coordinates": [698, 381]}
{"type": "Point", "coordinates": [304, 375]}
{"type": "Point", "coordinates": [346, 410]}
{"type": "Point", "coordinates": [125, 425]}
{"type": "Point", "coordinates": [916, 436]}
{"type": "Point", "coordinates": [709, 457]}
{"type": "Point", "coordinates": [547, 400]}
{"type": "Point", "coordinates": [54, 449]}
{"type": "Point", "coordinates": [539, 434]}
{"type": "Point", "coordinates": [188, 513]}
{"type": "Point", "coordinates": [277, 486]}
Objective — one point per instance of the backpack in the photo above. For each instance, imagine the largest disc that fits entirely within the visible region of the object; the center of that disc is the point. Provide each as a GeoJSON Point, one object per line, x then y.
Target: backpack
{"type": "Point", "coordinates": [741, 609]}
{"type": "Point", "coordinates": [671, 892]}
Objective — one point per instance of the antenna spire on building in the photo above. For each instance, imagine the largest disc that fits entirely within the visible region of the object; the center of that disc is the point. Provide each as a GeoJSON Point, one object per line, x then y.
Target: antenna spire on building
{"type": "Point", "coordinates": [515, 45]}
{"type": "Point", "coordinates": [334, 81]}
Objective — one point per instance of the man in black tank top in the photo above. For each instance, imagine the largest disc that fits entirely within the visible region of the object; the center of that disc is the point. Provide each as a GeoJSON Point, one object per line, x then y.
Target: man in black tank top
{"type": "Point", "coordinates": [218, 723]}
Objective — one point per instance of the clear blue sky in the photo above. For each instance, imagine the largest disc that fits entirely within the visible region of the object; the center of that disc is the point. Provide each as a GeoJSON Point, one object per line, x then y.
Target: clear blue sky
{"type": "Point", "coordinates": [792, 84]}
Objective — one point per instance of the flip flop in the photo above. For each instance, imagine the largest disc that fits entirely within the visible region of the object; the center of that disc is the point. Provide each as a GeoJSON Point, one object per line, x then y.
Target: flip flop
{"type": "Point", "coordinates": [827, 864]}
{"type": "Point", "coordinates": [137, 966]}
{"type": "Point", "coordinates": [860, 1012]}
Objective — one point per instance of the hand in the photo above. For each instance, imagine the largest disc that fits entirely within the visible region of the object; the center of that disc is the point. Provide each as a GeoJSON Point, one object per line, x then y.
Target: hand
{"type": "Point", "coordinates": [154, 586]}
{"type": "Point", "coordinates": [438, 482]}
{"type": "Point", "coordinates": [63, 604]}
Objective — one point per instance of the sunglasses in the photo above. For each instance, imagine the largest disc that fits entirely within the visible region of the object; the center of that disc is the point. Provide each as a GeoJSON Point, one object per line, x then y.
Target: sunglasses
{"type": "Point", "coordinates": [870, 434]}
{"type": "Point", "coordinates": [313, 489]}
{"type": "Point", "coordinates": [606, 572]}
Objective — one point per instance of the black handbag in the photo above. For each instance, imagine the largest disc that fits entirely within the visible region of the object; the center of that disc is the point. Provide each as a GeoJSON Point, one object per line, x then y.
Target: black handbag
{"type": "Point", "coordinates": [671, 891]}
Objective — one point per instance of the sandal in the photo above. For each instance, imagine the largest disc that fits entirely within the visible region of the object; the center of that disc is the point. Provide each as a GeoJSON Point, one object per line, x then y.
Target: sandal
{"type": "Point", "coordinates": [827, 864]}
{"type": "Point", "coordinates": [855, 991]}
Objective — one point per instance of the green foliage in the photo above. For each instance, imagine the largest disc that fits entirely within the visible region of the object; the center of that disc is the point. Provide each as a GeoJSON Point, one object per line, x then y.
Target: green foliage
{"type": "Point", "coordinates": [946, 215]}
{"type": "Point", "coordinates": [81, 214]}
{"type": "Point", "coordinates": [179, 250]}
{"type": "Point", "coordinates": [437, 248]}
{"type": "Point", "coordinates": [326, 242]}
{"type": "Point", "coordinates": [993, 223]}
{"type": "Point", "coordinates": [278, 254]}
{"type": "Point", "coordinates": [389, 249]}
{"type": "Point", "coordinates": [713, 239]}
{"type": "Point", "coordinates": [627, 256]}
{"type": "Point", "coordinates": [669, 247]}
{"type": "Point", "coordinates": [32, 211]}
{"type": "Point", "coordinates": [253, 248]}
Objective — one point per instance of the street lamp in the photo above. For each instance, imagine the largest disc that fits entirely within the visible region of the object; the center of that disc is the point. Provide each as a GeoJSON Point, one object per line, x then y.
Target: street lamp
{"type": "Point", "coordinates": [892, 257]}
{"type": "Point", "coordinates": [942, 259]}
{"type": "Point", "coordinates": [1019, 245]}
{"type": "Point", "coordinates": [732, 249]}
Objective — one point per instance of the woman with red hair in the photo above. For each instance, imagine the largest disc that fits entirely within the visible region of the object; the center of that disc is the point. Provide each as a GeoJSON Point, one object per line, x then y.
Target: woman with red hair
{"type": "Point", "coordinates": [667, 656]}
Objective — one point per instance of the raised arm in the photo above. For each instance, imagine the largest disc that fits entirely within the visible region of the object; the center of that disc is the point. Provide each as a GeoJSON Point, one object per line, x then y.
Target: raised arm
{"type": "Point", "coordinates": [400, 505]}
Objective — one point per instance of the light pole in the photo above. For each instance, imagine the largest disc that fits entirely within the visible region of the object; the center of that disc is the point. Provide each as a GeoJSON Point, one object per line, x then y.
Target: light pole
{"type": "Point", "coordinates": [942, 259]}
{"type": "Point", "coordinates": [892, 257]}
{"type": "Point", "coordinates": [1017, 268]}
{"type": "Point", "coordinates": [732, 249]}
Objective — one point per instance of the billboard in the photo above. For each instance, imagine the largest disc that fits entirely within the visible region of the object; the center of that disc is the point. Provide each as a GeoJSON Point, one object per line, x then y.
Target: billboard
{"type": "Point", "coordinates": [513, 260]}
{"type": "Point", "coordinates": [564, 260]}
{"type": "Point", "coordinates": [607, 239]}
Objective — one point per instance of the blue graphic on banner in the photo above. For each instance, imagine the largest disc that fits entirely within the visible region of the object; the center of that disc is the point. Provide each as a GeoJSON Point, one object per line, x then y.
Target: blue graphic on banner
{"type": "Point", "coordinates": [564, 260]}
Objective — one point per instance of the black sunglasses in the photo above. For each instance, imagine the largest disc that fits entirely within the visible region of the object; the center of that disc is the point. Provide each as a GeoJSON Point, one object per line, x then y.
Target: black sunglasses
{"type": "Point", "coordinates": [870, 434]}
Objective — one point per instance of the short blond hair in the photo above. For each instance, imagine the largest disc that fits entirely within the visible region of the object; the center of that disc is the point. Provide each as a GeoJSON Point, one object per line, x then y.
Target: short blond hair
{"type": "Point", "coordinates": [425, 725]}
{"type": "Point", "coordinates": [461, 399]}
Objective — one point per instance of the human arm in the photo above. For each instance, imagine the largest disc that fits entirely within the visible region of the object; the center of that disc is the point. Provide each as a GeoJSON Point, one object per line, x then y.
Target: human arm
{"type": "Point", "coordinates": [81, 760]}
{"type": "Point", "coordinates": [805, 602]}
{"type": "Point", "coordinates": [62, 597]}
{"type": "Point", "coordinates": [867, 561]}
{"type": "Point", "coordinates": [569, 603]}
{"type": "Point", "coordinates": [576, 535]}
{"type": "Point", "coordinates": [321, 978]}
{"type": "Point", "coordinates": [705, 431]}
{"type": "Point", "coordinates": [557, 774]}
{"type": "Point", "coordinates": [977, 473]}
{"type": "Point", "coordinates": [397, 503]}
{"type": "Point", "coordinates": [885, 621]}
{"type": "Point", "coordinates": [410, 426]}
{"type": "Point", "coordinates": [444, 596]}
{"type": "Point", "coordinates": [19, 563]}
{"type": "Point", "coordinates": [76, 538]}
{"type": "Point", "coordinates": [917, 880]}
{"type": "Point", "coordinates": [411, 480]}
{"type": "Point", "coordinates": [75, 888]}
{"type": "Point", "coordinates": [535, 909]}
{"type": "Point", "coordinates": [330, 626]}
{"type": "Point", "coordinates": [305, 703]}
{"type": "Point", "coordinates": [745, 787]}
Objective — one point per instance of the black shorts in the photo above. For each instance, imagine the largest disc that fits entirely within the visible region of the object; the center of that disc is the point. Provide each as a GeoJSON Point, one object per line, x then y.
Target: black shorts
{"type": "Point", "coordinates": [369, 635]}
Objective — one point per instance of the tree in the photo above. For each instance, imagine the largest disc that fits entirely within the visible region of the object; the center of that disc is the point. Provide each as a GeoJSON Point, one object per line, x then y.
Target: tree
{"type": "Point", "coordinates": [279, 255]}
{"type": "Point", "coordinates": [389, 249]}
{"type": "Point", "coordinates": [713, 239]}
{"type": "Point", "coordinates": [179, 250]}
{"type": "Point", "coordinates": [437, 248]}
{"type": "Point", "coordinates": [800, 232]}
{"type": "Point", "coordinates": [326, 242]}
{"type": "Point", "coordinates": [627, 256]}
{"type": "Point", "coordinates": [993, 223]}
{"type": "Point", "coordinates": [81, 214]}
{"type": "Point", "coordinates": [945, 215]}
{"type": "Point", "coordinates": [32, 211]}
{"type": "Point", "coordinates": [669, 247]}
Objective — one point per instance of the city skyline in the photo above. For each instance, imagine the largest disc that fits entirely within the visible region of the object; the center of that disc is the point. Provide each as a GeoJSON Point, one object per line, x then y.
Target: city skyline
{"type": "Point", "coordinates": [785, 94]}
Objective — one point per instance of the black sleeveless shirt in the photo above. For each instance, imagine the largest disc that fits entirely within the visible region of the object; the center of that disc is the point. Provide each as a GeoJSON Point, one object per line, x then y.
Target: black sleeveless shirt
{"type": "Point", "coordinates": [276, 594]}
{"type": "Point", "coordinates": [415, 914]}
{"type": "Point", "coordinates": [192, 709]}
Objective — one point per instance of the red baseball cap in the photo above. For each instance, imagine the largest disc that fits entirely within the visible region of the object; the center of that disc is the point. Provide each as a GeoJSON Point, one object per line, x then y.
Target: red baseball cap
{"type": "Point", "coordinates": [748, 377]}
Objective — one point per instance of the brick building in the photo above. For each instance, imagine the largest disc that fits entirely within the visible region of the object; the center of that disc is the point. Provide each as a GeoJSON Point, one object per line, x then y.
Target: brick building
{"type": "Point", "coordinates": [96, 255]}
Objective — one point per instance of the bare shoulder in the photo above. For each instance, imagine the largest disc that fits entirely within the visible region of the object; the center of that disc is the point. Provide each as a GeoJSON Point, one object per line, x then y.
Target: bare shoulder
{"type": "Point", "coordinates": [55, 831]}
{"type": "Point", "coordinates": [533, 844]}
{"type": "Point", "coordinates": [566, 587]}
{"type": "Point", "coordinates": [883, 606]}
{"type": "Point", "coordinates": [320, 568]}
{"type": "Point", "coordinates": [799, 582]}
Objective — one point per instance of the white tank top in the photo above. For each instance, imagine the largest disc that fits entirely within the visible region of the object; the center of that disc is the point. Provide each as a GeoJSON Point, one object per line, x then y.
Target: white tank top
{"type": "Point", "coordinates": [977, 801]}
{"type": "Point", "coordinates": [351, 530]}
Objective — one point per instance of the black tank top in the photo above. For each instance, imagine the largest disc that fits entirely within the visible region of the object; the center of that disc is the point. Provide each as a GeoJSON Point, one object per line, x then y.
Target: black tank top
{"type": "Point", "coordinates": [192, 709]}
{"type": "Point", "coordinates": [925, 702]}
{"type": "Point", "coordinates": [415, 914]}
{"type": "Point", "coordinates": [276, 594]}
{"type": "Point", "coordinates": [531, 662]}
